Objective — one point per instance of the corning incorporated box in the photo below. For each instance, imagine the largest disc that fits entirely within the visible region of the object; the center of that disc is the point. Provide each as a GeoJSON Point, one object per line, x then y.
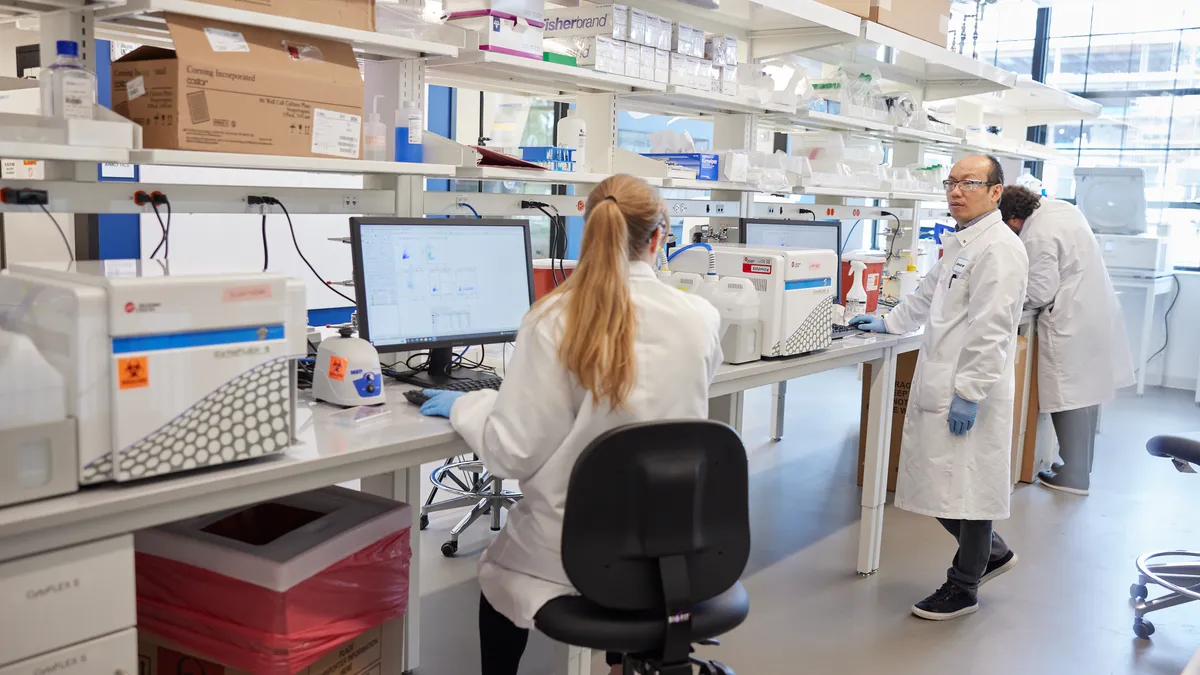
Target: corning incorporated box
{"type": "Point", "coordinates": [358, 14]}
{"type": "Point", "coordinates": [926, 19]}
{"type": "Point", "coordinates": [246, 89]}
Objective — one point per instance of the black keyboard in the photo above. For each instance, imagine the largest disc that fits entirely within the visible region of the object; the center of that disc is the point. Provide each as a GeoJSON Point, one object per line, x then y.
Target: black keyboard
{"type": "Point", "coordinates": [840, 331]}
{"type": "Point", "coordinates": [418, 397]}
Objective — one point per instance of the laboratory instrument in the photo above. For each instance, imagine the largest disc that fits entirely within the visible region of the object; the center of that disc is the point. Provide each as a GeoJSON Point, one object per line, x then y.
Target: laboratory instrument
{"type": "Point", "coordinates": [795, 288]}
{"type": "Point", "coordinates": [166, 369]}
{"type": "Point", "coordinates": [817, 234]}
{"type": "Point", "coordinates": [68, 87]}
{"type": "Point", "coordinates": [1113, 199]}
{"type": "Point", "coordinates": [436, 284]}
{"type": "Point", "coordinates": [347, 371]}
{"type": "Point", "coordinates": [1136, 256]}
{"type": "Point", "coordinates": [37, 440]}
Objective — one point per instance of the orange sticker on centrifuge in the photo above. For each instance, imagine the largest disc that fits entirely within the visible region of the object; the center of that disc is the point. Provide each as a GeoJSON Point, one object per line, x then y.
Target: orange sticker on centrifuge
{"type": "Point", "coordinates": [133, 372]}
{"type": "Point", "coordinates": [337, 368]}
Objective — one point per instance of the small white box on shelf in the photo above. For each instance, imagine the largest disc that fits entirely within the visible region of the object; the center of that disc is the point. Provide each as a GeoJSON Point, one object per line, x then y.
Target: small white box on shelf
{"type": "Point", "coordinates": [683, 40]}
{"type": "Point", "coordinates": [637, 25]}
{"type": "Point", "coordinates": [714, 75]}
{"type": "Point", "coordinates": [703, 76]}
{"type": "Point", "coordinates": [678, 74]}
{"type": "Point", "coordinates": [652, 27]}
{"type": "Point", "coordinates": [633, 57]}
{"type": "Point", "coordinates": [616, 64]}
{"type": "Point", "coordinates": [65, 597]}
{"type": "Point", "coordinates": [662, 66]}
{"type": "Point", "coordinates": [607, 20]}
{"type": "Point", "coordinates": [646, 63]}
{"type": "Point", "coordinates": [729, 81]}
{"type": "Point", "coordinates": [665, 31]}
{"type": "Point", "coordinates": [714, 48]}
{"type": "Point", "coordinates": [731, 50]}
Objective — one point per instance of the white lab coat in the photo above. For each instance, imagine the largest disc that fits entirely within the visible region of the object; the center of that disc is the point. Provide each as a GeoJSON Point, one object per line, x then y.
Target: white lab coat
{"type": "Point", "coordinates": [539, 422]}
{"type": "Point", "coordinates": [1083, 350]}
{"type": "Point", "coordinates": [970, 305]}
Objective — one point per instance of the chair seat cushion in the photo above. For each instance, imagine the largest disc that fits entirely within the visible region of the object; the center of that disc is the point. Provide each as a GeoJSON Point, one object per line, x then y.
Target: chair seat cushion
{"type": "Point", "coordinates": [1185, 447]}
{"type": "Point", "coordinates": [576, 621]}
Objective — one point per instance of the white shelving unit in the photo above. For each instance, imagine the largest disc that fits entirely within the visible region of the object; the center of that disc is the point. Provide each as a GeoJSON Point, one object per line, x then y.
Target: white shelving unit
{"type": "Point", "coordinates": [228, 160]}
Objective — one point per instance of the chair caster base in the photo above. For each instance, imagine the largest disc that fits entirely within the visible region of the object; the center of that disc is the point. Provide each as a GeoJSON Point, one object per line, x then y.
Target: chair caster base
{"type": "Point", "coordinates": [450, 549]}
{"type": "Point", "coordinates": [424, 522]}
{"type": "Point", "coordinates": [1143, 629]}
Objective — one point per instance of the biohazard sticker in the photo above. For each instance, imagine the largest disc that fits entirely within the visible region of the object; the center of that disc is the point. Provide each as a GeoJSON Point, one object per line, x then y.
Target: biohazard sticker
{"type": "Point", "coordinates": [337, 368]}
{"type": "Point", "coordinates": [133, 372]}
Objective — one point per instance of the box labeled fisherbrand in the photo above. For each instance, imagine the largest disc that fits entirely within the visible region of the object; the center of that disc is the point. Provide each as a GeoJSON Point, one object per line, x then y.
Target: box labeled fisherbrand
{"type": "Point", "coordinates": [706, 165]}
{"type": "Point", "coordinates": [607, 20]}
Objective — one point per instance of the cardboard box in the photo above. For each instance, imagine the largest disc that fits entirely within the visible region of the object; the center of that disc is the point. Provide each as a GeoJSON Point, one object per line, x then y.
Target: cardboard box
{"type": "Point", "coordinates": [358, 14]}
{"type": "Point", "coordinates": [1029, 458]}
{"type": "Point", "coordinates": [362, 655]}
{"type": "Point", "coordinates": [926, 19]}
{"type": "Point", "coordinates": [66, 597]}
{"type": "Point", "coordinates": [633, 60]}
{"type": "Point", "coordinates": [678, 70]}
{"type": "Point", "coordinates": [729, 80]}
{"type": "Point", "coordinates": [247, 89]}
{"type": "Point", "coordinates": [637, 26]}
{"type": "Point", "coordinates": [906, 367]}
{"type": "Point", "coordinates": [607, 20]}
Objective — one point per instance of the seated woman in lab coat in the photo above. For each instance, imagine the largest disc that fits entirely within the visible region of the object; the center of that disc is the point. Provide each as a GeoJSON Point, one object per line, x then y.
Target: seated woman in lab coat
{"type": "Point", "coordinates": [609, 347]}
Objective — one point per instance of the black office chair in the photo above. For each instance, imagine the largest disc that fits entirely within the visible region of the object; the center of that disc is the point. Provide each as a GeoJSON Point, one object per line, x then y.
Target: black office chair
{"type": "Point", "coordinates": [1180, 579]}
{"type": "Point", "coordinates": [655, 536]}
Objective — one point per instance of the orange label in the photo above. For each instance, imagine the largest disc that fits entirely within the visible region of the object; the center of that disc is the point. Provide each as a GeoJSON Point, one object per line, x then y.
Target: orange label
{"type": "Point", "coordinates": [337, 368]}
{"type": "Point", "coordinates": [133, 372]}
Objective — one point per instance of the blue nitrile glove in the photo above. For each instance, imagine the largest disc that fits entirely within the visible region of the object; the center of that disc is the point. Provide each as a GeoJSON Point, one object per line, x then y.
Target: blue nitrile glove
{"type": "Point", "coordinates": [869, 323]}
{"type": "Point", "coordinates": [962, 415]}
{"type": "Point", "coordinates": [440, 402]}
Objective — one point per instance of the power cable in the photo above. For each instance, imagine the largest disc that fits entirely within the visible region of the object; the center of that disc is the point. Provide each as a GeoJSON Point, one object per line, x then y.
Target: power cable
{"type": "Point", "coordinates": [292, 229]}
{"type": "Point", "coordinates": [61, 233]}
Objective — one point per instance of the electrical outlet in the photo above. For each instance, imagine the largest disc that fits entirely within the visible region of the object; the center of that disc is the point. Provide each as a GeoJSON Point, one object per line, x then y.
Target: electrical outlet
{"type": "Point", "coordinates": [718, 209]}
{"type": "Point", "coordinates": [350, 202]}
{"type": "Point", "coordinates": [460, 199]}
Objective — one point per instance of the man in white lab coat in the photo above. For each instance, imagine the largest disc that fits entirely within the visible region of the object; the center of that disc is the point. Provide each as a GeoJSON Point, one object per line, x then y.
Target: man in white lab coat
{"type": "Point", "coordinates": [1083, 351]}
{"type": "Point", "coordinates": [954, 457]}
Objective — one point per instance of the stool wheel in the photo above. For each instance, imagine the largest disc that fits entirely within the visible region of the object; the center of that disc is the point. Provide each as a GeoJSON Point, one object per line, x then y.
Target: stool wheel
{"type": "Point", "coordinates": [1143, 629]}
{"type": "Point", "coordinates": [449, 549]}
{"type": "Point", "coordinates": [424, 522]}
{"type": "Point", "coordinates": [1138, 592]}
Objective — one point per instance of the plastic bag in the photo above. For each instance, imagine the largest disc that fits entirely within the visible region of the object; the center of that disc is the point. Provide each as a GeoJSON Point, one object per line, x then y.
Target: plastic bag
{"type": "Point", "coordinates": [266, 632]}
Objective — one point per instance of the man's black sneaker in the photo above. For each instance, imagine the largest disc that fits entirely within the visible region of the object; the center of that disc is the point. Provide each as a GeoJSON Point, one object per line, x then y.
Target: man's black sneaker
{"type": "Point", "coordinates": [997, 567]}
{"type": "Point", "coordinates": [948, 602]}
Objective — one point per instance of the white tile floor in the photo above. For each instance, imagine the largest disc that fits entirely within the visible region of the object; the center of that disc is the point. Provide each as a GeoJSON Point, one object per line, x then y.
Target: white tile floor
{"type": "Point", "coordinates": [1063, 610]}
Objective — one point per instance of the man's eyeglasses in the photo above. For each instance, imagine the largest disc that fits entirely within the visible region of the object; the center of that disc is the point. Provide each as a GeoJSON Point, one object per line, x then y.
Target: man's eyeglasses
{"type": "Point", "coordinates": [966, 185]}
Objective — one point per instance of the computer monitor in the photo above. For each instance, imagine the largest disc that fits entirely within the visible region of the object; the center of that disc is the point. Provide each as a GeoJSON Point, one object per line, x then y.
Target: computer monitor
{"type": "Point", "coordinates": [823, 234]}
{"type": "Point", "coordinates": [440, 283]}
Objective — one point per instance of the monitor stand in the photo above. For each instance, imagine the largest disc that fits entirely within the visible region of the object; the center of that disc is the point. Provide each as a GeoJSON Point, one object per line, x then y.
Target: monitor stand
{"type": "Point", "coordinates": [441, 360]}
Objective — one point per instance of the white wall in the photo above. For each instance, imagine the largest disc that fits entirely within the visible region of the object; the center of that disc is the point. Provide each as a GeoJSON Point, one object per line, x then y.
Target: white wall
{"type": "Point", "coordinates": [1182, 356]}
{"type": "Point", "coordinates": [234, 241]}
{"type": "Point", "coordinates": [31, 237]}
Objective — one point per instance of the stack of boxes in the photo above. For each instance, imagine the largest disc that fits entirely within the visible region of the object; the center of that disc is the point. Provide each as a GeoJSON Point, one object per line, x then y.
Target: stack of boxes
{"type": "Point", "coordinates": [628, 41]}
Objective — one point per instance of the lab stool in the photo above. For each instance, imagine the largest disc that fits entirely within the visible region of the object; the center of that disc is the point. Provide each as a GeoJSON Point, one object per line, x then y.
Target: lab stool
{"type": "Point", "coordinates": [473, 486]}
{"type": "Point", "coordinates": [1181, 575]}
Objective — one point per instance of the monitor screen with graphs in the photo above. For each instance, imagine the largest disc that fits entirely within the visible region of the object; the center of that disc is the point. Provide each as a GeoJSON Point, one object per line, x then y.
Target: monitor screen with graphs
{"type": "Point", "coordinates": [431, 283]}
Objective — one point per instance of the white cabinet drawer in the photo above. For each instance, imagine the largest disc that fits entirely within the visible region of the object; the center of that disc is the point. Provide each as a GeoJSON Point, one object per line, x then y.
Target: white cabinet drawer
{"type": "Point", "coordinates": [114, 654]}
{"type": "Point", "coordinates": [66, 597]}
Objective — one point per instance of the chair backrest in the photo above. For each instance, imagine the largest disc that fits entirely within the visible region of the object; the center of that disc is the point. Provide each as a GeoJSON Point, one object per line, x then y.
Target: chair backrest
{"type": "Point", "coordinates": [658, 514]}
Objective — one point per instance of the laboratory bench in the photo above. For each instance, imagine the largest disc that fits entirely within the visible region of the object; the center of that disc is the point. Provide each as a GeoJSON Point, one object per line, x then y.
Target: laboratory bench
{"type": "Point", "coordinates": [388, 454]}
